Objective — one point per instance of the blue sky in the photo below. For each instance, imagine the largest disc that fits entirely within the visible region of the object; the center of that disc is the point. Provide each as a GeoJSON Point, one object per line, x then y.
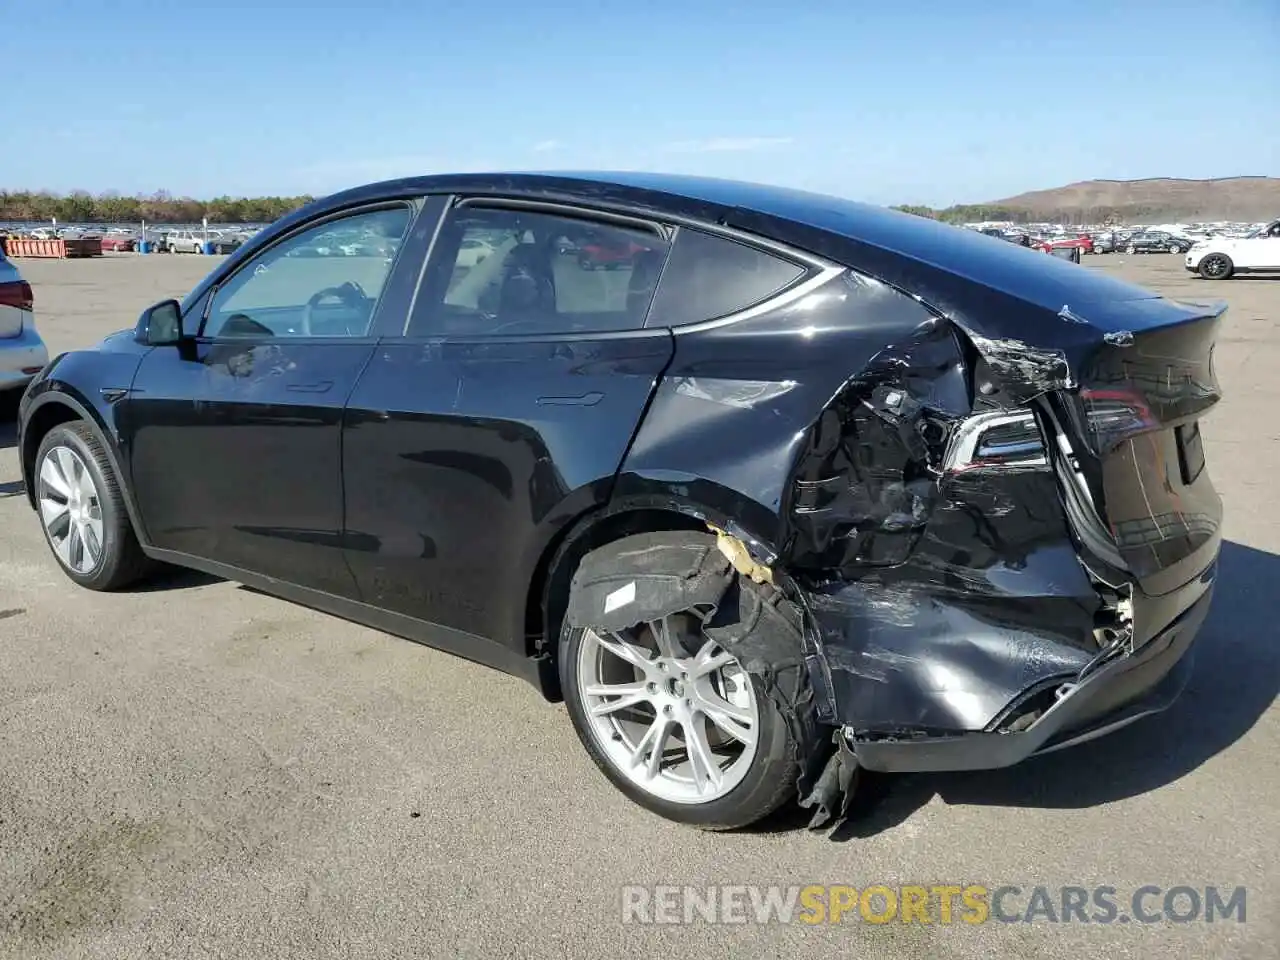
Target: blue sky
{"type": "Point", "coordinates": [931, 101]}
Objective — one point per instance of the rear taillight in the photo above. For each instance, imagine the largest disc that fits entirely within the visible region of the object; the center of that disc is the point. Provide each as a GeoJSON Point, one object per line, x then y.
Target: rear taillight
{"type": "Point", "coordinates": [1006, 438]}
{"type": "Point", "coordinates": [17, 294]}
{"type": "Point", "coordinates": [1116, 415]}
{"type": "Point", "coordinates": [1010, 438]}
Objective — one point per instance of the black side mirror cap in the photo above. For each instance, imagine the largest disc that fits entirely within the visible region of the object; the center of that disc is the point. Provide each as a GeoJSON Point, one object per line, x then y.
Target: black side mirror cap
{"type": "Point", "coordinates": [160, 325]}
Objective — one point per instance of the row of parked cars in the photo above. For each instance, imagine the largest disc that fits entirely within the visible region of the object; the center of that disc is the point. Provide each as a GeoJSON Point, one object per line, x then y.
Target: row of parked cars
{"type": "Point", "coordinates": [127, 240]}
{"type": "Point", "coordinates": [1132, 242]}
{"type": "Point", "coordinates": [1214, 258]}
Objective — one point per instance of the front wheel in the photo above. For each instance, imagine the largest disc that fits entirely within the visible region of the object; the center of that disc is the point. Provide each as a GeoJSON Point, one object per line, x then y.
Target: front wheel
{"type": "Point", "coordinates": [1131, 249]}
{"type": "Point", "coordinates": [1216, 266]}
{"type": "Point", "coordinates": [82, 510]}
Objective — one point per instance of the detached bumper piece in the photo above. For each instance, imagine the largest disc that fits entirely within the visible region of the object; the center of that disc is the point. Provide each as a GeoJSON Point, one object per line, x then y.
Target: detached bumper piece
{"type": "Point", "coordinates": [1107, 697]}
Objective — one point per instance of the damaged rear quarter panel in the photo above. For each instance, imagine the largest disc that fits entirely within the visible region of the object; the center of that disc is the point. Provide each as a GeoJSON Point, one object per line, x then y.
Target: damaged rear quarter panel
{"type": "Point", "coordinates": [817, 432]}
{"type": "Point", "coordinates": [734, 410]}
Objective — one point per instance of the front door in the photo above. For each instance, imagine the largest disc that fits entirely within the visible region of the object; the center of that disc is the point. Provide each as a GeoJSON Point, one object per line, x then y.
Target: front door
{"type": "Point", "coordinates": [503, 414]}
{"type": "Point", "coordinates": [235, 436]}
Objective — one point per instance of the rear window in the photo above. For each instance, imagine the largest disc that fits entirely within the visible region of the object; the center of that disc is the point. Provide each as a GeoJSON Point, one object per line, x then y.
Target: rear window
{"type": "Point", "coordinates": [710, 277]}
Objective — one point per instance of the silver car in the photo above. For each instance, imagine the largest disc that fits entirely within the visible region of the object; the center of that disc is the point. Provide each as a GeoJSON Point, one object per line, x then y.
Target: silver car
{"type": "Point", "coordinates": [22, 352]}
{"type": "Point", "coordinates": [184, 241]}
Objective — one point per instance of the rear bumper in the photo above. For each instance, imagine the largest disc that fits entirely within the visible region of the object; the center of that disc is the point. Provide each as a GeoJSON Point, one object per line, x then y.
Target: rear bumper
{"type": "Point", "coordinates": [19, 357]}
{"type": "Point", "coordinates": [1099, 700]}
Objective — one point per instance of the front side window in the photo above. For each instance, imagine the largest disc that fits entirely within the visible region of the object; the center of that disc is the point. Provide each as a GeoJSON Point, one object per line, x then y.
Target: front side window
{"type": "Point", "coordinates": [322, 282]}
{"type": "Point", "coordinates": [510, 272]}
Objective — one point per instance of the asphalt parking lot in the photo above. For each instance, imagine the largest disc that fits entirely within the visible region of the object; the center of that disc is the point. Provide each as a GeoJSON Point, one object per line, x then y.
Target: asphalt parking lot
{"type": "Point", "coordinates": [200, 770]}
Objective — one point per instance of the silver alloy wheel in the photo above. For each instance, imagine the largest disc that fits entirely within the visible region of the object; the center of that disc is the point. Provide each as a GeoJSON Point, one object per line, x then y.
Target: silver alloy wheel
{"type": "Point", "coordinates": [70, 509]}
{"type": "Point", "coordinates": [1215, 266]}
{"type": "Point", "coordinates": [680, 726]}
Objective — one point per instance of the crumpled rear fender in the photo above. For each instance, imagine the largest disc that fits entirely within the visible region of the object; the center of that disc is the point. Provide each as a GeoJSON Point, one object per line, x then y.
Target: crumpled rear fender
{"type": "Point", "coordinates": [935, 598]}
{"type": "Point", "coordinates": [938, 597]}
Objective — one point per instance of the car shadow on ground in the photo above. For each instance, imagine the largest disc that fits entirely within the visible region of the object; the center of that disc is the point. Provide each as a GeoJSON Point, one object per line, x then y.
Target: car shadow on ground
{"type": "Point", "coordinates": [8, 429]}
{"type": "Point", "coordinates": [1235, 680]}
{"type": "Point", "coordinates": [169, 578]}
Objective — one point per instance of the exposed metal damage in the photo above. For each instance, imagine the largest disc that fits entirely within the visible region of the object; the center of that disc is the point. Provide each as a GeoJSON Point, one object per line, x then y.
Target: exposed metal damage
{"type": "Point", "coordinates": [1025, 370]}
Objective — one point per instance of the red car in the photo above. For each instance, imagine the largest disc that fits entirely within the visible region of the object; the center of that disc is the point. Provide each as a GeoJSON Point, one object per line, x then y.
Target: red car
{"type": "Point", "coordinates": [1084, 242]}
{"type": "Point", "coordinates": [118, 243]}
{"type": "Point", "coordinates": [594, 256]}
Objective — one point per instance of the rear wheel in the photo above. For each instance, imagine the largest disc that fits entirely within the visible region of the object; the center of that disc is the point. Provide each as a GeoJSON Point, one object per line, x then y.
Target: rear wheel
{"type": "Point", "coordinates": [1131, 249]}
{"type": "Point", "coordinates": [82, 510]}
{"type": "Point", "coordinates": [1216, 266]}
{"type": "Point", "coordinates": [687, 734]}
{"type": "Point", "coordinates": [673, 720]}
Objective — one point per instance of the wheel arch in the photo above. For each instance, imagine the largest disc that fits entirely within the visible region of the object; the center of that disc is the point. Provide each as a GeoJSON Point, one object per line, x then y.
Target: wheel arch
{"type": "Point", "coordinates": [547, 595]}
{"type": "Point", "coordinates": [1232, 269]}
{"type": "Point", "coordinates": [52, 409]}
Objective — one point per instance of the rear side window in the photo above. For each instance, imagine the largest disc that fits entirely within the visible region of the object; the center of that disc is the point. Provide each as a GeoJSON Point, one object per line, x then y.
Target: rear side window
{"type": "Point", "coordinates": [505, 272]}
{"type": "Point", "coordinates": [710, 277]}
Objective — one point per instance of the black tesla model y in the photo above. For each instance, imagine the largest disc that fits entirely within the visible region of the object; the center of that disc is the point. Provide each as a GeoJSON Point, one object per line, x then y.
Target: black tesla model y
{"type": "Point", "coordinates": [768, 487]}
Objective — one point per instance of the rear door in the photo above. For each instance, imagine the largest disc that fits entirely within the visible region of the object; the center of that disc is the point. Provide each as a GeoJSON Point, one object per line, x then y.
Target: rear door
{"type": "Point", "coordinates": [502, 413]}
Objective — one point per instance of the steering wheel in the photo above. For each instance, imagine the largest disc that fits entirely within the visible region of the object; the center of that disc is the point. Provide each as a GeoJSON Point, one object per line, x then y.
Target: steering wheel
{"type": "Point", "coordinates": [349, 294]}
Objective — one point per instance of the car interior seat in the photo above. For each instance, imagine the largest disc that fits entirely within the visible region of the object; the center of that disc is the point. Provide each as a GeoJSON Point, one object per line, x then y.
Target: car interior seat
{"type": "Point", "coordinates": [528, 291]}
{"type": "Point", "coordinates": [646, 267]}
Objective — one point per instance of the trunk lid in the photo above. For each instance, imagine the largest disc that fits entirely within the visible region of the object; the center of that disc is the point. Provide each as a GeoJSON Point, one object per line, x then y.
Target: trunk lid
{"type": "Point", "coordinates": [1123, 392]}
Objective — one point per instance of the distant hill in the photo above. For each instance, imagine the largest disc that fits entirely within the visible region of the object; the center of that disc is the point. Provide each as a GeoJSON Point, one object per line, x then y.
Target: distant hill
{"type": "Point", "coordinates": [1156, 200]}
{"type": "Point", "coordinates": [1159, 198]}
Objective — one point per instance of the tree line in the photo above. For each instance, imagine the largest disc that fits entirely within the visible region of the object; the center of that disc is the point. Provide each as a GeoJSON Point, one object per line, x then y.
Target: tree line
{"type": "Point", "coordinates": [83, 207]}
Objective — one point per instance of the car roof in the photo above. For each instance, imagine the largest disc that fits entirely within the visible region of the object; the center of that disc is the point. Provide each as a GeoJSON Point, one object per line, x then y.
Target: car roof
{"type": "Point", "coordinates": [952, 268]}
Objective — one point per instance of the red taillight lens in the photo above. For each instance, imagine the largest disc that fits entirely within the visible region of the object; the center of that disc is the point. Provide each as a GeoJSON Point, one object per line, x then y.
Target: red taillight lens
{"type": "Point", "coordinates": [1116, 415]}
{"type": "Point", "coordinates": [17, 294]}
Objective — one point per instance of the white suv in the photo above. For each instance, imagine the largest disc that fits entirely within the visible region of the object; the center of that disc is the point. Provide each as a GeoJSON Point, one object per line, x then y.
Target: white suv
{"type": "Point", "coordinates": [22, 352]}
{"type": "Point", "coordinates": [1218, 258]}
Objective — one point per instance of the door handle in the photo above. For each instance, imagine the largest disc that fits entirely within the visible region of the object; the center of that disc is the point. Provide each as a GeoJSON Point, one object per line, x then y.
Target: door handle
{"type": "Point", "coordinates": [320, 386]}
{"type": "Point", "coordinates": [584, 400]}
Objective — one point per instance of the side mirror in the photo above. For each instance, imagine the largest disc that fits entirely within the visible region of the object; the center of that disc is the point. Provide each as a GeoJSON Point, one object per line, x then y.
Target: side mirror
{"type": "Point", "coordinates": [160, 325]}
